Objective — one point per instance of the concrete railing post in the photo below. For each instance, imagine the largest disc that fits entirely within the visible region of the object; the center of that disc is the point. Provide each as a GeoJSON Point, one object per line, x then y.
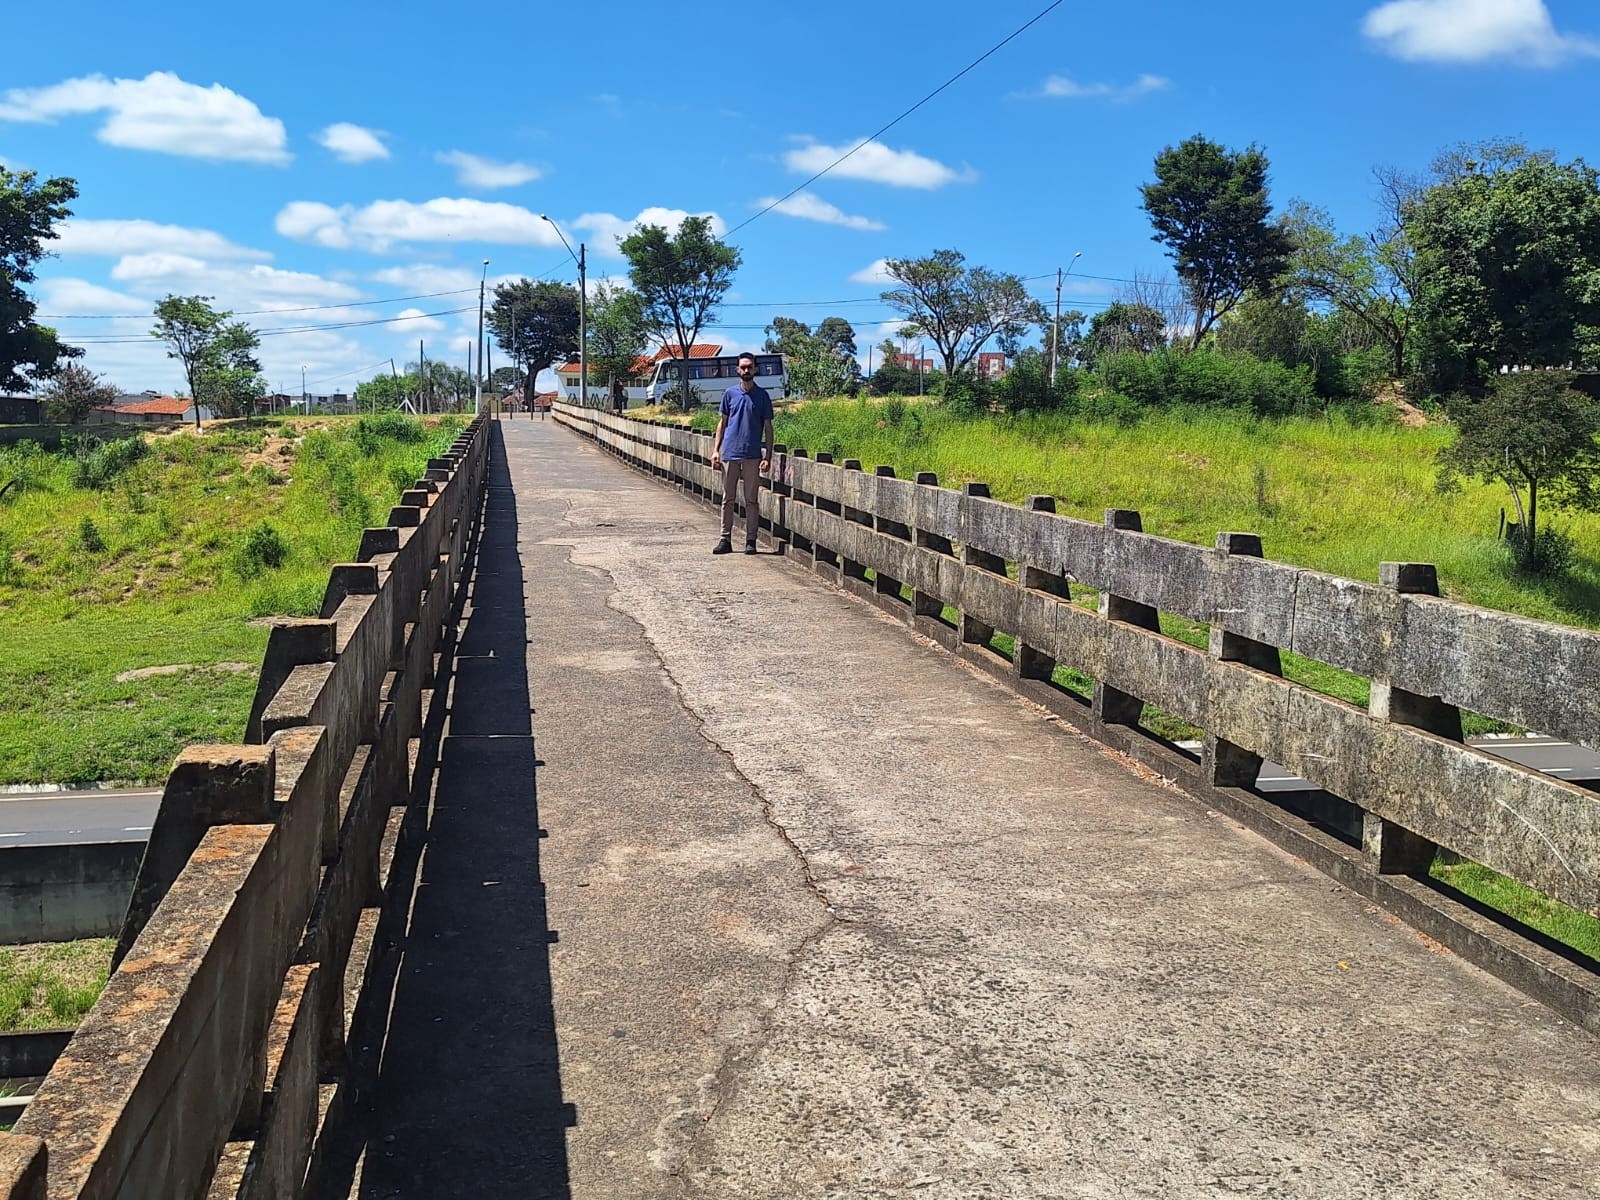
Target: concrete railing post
{"type": "Point", "coordinates": [798, 543]}
{"type": "Point", "coordinates": [1112, 705]}
{"type": "Point", "coordinates": [23, 1161]}
{"type": "Point", "coordinates": [925, 604]}
{"type": "Point", "coordinates": [973, 630]}
{"type": "Point", "coordinates": [883, 585]}
{"type": "Point", "coordinates": [208, 785]}
{"type": "Point", "coordinates": [1223, 763]}
{"type": "Point", "coordinates": [824, 555]}
{"type": "Point", "coordinates": [1027, 661]}
{"type": "Point", "coordinates": [1391, 849]}
{"type": "Point", "coordinates": [778, 485]}
{"type": "Point", "coordinates": [849, 567]}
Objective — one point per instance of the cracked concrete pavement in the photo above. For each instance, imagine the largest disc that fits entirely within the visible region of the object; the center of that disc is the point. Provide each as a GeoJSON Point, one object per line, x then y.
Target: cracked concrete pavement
{"type": "Point", "coordinates": [834, 915]}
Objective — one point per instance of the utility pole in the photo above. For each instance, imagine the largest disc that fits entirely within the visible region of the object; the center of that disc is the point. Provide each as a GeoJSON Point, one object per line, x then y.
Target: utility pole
{"type": "Point", "coordinates": [1055, 330]}
{"type": "Point", "coordinates": [422, 377]}
{"type": "Point", "coordinates": [482, 282]}
{"type": "Point", "coordinates": [395, 375]}
{"type": "Point", "coordinates": [919, 370]}
{"type": "Point", "coordinates": [583, 324]}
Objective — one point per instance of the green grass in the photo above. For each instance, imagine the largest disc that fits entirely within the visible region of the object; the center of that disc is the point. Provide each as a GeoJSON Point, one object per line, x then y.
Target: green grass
{"type": "Point", "coordinates": [51, 985]}
{"type": "Point", "coordinates": [1324, 493]}
{"type": "Point", "coordinates": [1550, 917]}
{"type": "Point", "coordinates": [177, 560]}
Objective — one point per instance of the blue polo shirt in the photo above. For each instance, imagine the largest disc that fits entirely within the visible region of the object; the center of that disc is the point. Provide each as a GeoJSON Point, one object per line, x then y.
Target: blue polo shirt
{"type": "Point", "coordinates": [745, 416]}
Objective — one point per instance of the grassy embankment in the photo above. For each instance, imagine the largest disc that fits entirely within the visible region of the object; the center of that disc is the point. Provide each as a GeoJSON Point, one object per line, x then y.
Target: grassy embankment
{"type": "Point", "coordinates": [131, 593]}
{"type": "Point", "coordinates": [1323, 493]}
{"type": "Point", "coordinates": [51, 986]}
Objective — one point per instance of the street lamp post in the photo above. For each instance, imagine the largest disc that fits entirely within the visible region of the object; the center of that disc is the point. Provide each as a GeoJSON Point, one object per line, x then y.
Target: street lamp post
{"type": "Point", "coordinates": [1055, 330]}
{"type": "Point", "coordinates": [583, 313]}
{"type": "Point", "coordinates": [477, 403]}
{"type": "Point", "coordinates": [305, 401]}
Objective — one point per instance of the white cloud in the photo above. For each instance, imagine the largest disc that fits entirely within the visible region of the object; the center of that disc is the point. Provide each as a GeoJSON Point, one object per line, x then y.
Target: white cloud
{"type": "Point", "coordinates": [874, 272]}
{"type": "Point", "coordinates": [413, 320]}
{"type": "Point", "coordinates": [116, 238]}
{"type": "Point", "coordinates": [476, 172]}
{"type": "Point", "coordinates": [383, 223]}
{"type": "Point", "coordinates": [236, 287]}
{"type": "Point", "coordinates": [809, 207]}
{"type": "Point", "coordinates": [418, 278]}
{"type": "Point", "coordinates": [1059, 87]}
{"type": "Point", "coordinates": [607, 230]}
{"type": "Point", "coordinates": [1469, 31]}
{"type": "Point", "coordinates": [73, 297]}
{"type": "Point", "coordinates": [159, 112]}
{"type": "Point", "coordinates": [875, 162]}
{"type": "Point", "coordinates": [352, 143]}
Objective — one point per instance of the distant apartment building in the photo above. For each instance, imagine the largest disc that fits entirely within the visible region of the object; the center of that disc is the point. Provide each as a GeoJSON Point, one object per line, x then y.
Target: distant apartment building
{"type": "Point", "coordinates": [990, 364]}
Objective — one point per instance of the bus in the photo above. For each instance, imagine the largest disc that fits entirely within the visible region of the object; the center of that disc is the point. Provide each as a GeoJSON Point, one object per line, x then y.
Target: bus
{"type": "Point", "coordinates": [710, 377]}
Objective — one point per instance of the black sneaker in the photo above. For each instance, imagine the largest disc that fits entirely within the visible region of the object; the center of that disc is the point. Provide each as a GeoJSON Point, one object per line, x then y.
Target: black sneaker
{"type": "Point", "coordinates": [749, 547]}
{"type": "Point", "coordinates": [724, 546]}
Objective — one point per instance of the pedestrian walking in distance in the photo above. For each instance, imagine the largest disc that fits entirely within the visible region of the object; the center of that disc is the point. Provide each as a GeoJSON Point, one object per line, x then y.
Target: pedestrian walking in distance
{"type": "Point", "coordinates": [742, 450]}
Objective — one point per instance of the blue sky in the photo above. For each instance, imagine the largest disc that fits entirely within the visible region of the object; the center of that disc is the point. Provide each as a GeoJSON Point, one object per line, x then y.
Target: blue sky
{"type": "Point", "coordinates": [335, 161]}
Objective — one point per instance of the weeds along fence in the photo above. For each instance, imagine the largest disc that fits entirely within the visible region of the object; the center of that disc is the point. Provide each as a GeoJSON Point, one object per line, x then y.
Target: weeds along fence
{"type": "Point", "coordinates": [1394, 782]}
{"type": "Point", "coordinates": [215, 1062]}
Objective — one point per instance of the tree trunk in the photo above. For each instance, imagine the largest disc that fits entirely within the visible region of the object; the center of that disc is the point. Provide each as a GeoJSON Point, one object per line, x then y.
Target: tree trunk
{"type": "Point", "coordinates": [1530, 543]}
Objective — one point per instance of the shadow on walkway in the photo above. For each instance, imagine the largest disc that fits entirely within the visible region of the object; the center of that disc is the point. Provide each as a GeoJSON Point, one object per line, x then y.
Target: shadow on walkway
{"type": "Point", "coordinates": [468, 1099]}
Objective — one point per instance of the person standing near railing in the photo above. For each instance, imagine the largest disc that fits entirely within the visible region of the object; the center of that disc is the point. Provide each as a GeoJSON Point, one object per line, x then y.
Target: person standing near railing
{"type": "Point", "coordinates": [742, 450]}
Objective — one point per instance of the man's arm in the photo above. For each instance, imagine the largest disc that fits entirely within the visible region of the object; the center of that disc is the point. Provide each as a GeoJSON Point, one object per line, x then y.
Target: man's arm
{"type": "Point", "coordinates": [716, 441]}
{"type": "Point", "coordinates": [766, 444]}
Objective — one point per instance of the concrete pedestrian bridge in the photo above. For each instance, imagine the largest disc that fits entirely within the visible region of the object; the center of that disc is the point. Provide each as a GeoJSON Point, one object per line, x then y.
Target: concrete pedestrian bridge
{"type": "Point", "coordinates": [565, 859]}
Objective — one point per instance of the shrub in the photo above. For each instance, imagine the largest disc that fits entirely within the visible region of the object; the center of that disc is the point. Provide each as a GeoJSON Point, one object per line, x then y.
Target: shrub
{"type": "Point", "coordinates": [1208, 379]}
{"type": "Point", "coordinates": [89, 539]}
{"type": "Point", "coordinates": [263, 548]}
{"type": "Point", "coordinates": [1027, 387]}
{"type": "Point", "coordinates": [389, 426]}
{"type": "Point", "coordinates": [10, 572]}
{"type": "Point", "coordinates": [1553, 551]}
{"type": "Point", "coordinates": [97, 464]}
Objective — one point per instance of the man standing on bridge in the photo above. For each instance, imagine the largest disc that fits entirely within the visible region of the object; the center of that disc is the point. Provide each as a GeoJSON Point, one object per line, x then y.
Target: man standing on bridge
{"type": "Point", "coordinates": [742, 449]}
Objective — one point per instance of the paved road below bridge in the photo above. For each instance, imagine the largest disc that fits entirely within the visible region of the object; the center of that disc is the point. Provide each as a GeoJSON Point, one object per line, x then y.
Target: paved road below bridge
{"type": "Point", "coordinates": [767, 898]}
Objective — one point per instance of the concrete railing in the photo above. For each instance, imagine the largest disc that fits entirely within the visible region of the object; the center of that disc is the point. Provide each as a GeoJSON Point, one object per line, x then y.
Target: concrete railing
{"type": "Point", "coordinates": [1397, 780]}
{"type": "Point", "coordinates": [215, 1062]}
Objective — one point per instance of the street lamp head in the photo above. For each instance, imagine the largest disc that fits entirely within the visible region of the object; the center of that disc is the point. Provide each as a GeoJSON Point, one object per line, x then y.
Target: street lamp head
{"type": "Point", "coordinates": [1078, 254]}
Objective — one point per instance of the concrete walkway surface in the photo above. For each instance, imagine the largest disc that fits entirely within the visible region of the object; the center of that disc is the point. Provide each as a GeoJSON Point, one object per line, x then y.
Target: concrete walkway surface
{"type": "Point", "coordinates": [735, 888]}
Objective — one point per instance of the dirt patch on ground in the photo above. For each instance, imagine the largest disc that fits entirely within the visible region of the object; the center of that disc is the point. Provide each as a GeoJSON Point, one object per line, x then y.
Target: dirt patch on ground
{"type": "Point", "coordinates": [276, 452]}
{"type": "Point", "coordinates": [1394, 395]}
{"type": "Point", "coordinates": [179, 669]}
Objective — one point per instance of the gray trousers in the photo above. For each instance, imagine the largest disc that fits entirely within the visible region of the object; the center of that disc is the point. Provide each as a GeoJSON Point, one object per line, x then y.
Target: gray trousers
{"type": "Point", "coordinates": [749, 470]}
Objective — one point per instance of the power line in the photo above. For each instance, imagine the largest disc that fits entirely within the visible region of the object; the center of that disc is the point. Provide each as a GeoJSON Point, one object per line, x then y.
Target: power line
{"type": "Point", "coordinates": [1048, 9]}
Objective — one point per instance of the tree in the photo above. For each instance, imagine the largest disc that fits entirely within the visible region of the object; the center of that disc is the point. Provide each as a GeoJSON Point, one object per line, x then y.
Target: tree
{"type": "Point", "coordinates": [229, 380]}
{"type": "Point", "coordinates": [680, 280]}
{"type": "Point", "coordinates": [1210, 208]}
{"type": "Point", "coordinates": [822, 363]}
{"type": "Point", "coordinates": [838, 335]}
{"type": "Point", "coordinates": [386, 391]}
{"type": "Point", "coordinates": [29, 211]}
{"type": "Point", "coordinates": [1064, 338]}
{"type": "Point", "coordinates": [1121, 327]}
{"type": "Point", "coordinates": [1535, 433]}
{"type": "Point", "coordinates": [1369, 278]}
{"type": "Point", "coordinates": [617, 335]}
{"type": "Point", "coordinates": [958, 307]}
{"type": "Point", "coordinates": [74, 392]}
{"type": "Point", "coordinates": [892, 379]}
{"type": "Point", "coordinates": [213, 351]}
{"type": "Point", "coordinates": [1507, 270]}
{"type": "Point", "coordinates": [504, 379]}
{"type": "Point", "coordinates": [535, 323]}
{"type": "Point", "coordinates": [786, 336]}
